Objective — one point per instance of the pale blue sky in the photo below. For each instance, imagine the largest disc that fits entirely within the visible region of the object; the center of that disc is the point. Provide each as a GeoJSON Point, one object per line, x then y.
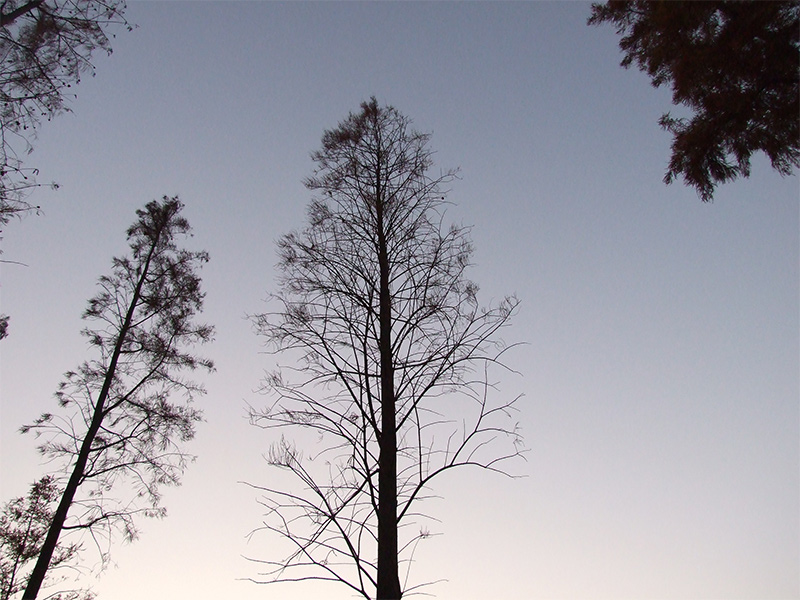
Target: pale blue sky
{"type": "Point", "coordinates": [661, 371]}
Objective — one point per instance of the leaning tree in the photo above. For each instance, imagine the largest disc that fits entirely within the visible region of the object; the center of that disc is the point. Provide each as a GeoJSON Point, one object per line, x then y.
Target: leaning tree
{"type": "Point", "coordinates": [120, 432]}
{"type": "Point", "coordinates": [391, 356]}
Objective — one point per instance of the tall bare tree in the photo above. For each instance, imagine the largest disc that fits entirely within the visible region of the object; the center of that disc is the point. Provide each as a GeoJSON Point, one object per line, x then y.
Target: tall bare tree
{"type": "Point", "coordinates": [391, 348]}
{"type": "Point", "coordinates": [121, 434]}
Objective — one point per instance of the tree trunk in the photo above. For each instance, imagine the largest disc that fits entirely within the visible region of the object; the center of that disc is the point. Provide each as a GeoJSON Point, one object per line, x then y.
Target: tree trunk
{"type": "Point", "coordinates": [388, 575]}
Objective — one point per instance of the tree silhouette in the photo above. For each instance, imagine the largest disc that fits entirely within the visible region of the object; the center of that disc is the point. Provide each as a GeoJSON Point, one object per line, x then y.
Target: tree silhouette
{"type": "Point", "coordinates": [736, 65]}
{"type": "Point", "coordinates": [45, 48]}
{"type": "Point", "coordinates": [121, 431]}
{"type": "Point", "coordinates": [23, 526]}
{"type": "Point", "coordinates": [392, 355]}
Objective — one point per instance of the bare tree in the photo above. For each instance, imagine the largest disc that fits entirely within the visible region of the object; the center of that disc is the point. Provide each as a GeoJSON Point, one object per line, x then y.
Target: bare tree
{"type": "Point", "coordinates": [121, 432]}
{"type": "Point", "coordinates": [45, 48]}
{"type": "Point", "coordinates": [392, 350]}
{"type": "Point", "coordinates": [23, 526]}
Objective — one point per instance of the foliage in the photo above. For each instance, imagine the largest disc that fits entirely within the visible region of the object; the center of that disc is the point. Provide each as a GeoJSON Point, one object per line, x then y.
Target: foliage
{"type": "Point", "coordinates": [23, 525]}
{"type": "Point", "coordinates": [736, 65]}
{"type": "Point", "coordinates": [119, 430]}
{"type": "Point", "coordinates": [390, 348]}
{"type": "Point", "coordinates": [45, 48]}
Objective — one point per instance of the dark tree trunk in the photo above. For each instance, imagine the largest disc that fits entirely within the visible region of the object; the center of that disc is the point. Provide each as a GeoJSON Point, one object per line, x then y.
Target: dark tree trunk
{"type": "Point", "coordinates": [388, 575]}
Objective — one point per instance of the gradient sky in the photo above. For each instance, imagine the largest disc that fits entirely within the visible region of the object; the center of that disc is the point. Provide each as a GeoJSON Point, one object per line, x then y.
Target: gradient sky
{"type": "Point", "coordinates": [661, 371]}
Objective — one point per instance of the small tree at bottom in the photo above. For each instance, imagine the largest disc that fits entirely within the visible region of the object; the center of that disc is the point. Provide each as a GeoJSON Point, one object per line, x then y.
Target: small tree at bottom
{"type": "Point", "coordinates": [23, 525]}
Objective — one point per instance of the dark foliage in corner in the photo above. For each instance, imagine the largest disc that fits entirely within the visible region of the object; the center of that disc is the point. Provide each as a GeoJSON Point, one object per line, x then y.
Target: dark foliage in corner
{"type": "Point", "coordinates": [735, 65]}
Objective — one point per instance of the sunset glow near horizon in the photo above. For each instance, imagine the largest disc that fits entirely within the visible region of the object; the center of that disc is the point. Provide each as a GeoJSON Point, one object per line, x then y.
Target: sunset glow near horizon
{"type": "Point", "coordinates": [660, 371]}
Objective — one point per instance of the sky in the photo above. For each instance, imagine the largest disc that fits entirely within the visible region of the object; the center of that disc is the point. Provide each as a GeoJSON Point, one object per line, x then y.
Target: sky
{"type": "Point", "coordinates": [660, 371]}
